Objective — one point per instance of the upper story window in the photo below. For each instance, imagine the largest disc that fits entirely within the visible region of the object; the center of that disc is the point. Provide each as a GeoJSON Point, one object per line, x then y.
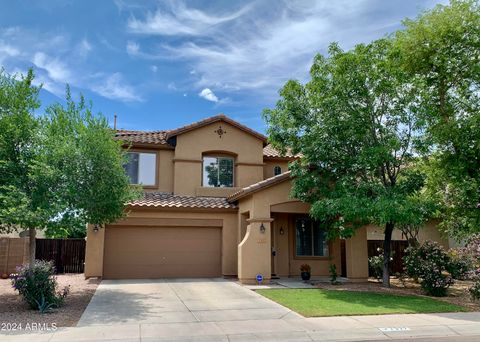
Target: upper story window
{"type": "Point", "coordinates": [277, 170]}
{"type": "Point", "coordinates": [218, 171]}
{"type": "Point", "coordinates": [141, 167]}
{"type": "Point", "coordinates": [310, 239]}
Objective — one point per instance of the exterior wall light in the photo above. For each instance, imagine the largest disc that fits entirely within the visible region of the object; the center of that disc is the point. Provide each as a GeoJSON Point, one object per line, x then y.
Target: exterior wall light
{"type": "Point", "coordinates": [262, 229]}
{"type": "Point", "coordinates": [282, 231]}
{"type": "Point", "coordinates": [96, 228]}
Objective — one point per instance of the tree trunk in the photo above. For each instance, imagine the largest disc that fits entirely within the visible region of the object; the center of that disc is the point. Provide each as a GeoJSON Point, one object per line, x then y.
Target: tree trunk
{"type": "Point", "coordinates": [387, 250]}
{"type": "Point", "coordinates": [32, 233]}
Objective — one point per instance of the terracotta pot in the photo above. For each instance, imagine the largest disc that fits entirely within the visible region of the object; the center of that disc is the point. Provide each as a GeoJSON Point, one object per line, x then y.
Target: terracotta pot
{"type": "Point", "coordinates": [4, 276]}
{"type": "Point", "coordinates": [305, 275]}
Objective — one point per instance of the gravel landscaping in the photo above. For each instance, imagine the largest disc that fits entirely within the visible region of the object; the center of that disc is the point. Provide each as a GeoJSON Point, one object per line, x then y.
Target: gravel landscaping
{"type": "Point", "coordinates": [14, 310]}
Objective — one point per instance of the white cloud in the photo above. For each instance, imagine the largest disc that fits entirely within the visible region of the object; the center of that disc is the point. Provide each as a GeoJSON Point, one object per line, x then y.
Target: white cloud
{"type": "Point", "coordinates": [262, 45]}
{"type": "Point", "coordinates": [208, 95]}
{"type": "Point", "coordinates": [56, 69]}
{"type": "Point", "coordinates": [7, 51]}
{"type": "Point", "coordinates": [114, 87]}
{"type": "Point", "coordinates": [154, 68]}
{"type": "Point", "coordinates": [84, 48]}
{"type": "Point", "coordinates": [180, 20]}
{"type": "Point", "coordinates": [172, 86]}
{"type": "Point", "coordinates": [132, 48]}
{"type": "Point", "coordinates": [58, 61]}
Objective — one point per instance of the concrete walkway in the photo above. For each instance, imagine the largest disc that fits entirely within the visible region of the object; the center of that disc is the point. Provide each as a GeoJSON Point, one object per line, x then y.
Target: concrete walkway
{"type": "Point", "coordinates": [221, 310]}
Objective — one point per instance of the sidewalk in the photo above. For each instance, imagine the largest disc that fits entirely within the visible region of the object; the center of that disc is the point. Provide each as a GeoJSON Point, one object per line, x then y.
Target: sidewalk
{"type": "Point", "coordinates": [289, 328]}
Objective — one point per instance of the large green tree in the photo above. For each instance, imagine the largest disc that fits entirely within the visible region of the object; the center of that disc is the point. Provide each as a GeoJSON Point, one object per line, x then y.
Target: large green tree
{"type": "Point", "coordinates": [61, 169]}
{"type": "Point", "coordinates": [355, 124]}
{"type": "Point", "coordinates": [441, 48]}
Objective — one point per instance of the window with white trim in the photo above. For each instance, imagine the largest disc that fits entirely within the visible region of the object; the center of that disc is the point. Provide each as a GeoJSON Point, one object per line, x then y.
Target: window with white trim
{"type": "Point", "coordinates": [141, 168]}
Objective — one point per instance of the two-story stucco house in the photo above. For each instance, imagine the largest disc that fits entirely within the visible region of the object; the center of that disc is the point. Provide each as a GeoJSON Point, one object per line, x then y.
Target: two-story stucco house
{"type": "Point", "coordinates": [217, 203]}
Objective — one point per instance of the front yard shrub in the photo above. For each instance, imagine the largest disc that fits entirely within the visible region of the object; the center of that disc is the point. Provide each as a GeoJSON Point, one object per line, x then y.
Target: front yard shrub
{"type": "Point", "coordinates": [38, 286]}
{"type": "Point", "coordinates": [332, 269]}
{"type": "Point", "coordinates": [475, 290]}
{"type": "Point", "coordinates": [461, 263]}
{"type": "Point", "coordinates": [375, 263]}
{"type": "Point", "coordinates": [431, 264]}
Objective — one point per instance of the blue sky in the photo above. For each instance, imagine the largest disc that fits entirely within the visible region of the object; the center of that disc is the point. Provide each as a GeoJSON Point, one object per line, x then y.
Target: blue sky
{"type": "Point", "coordinates": [164, 64]}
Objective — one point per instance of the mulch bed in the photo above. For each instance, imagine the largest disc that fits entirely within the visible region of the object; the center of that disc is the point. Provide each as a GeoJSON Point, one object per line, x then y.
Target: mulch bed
{"type": "Point", "coordinates": [457, 294]}
{"type": "Point", "coordinates": [13, 310]}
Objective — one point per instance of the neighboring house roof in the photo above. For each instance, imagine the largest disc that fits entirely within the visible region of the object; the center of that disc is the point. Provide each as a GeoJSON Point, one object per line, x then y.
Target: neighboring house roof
{"type": "Point", "coordinates": [168, 200]}
{"type": "Point", "coordinates": [259, 186]}
{"type": "Point", "coordinates": [212, 119]}
{"type": "Point", "coordinates": [142, 137]}
{"type": "Point", "coordinates": [270, 152]}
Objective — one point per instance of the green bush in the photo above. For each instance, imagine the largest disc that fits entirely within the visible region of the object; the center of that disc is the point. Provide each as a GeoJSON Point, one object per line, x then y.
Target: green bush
{"type": "Point", "coordinates": [461, 263]}
{"type": "Point", "coordinates": [431, 265]}
{"type": "Point", "coordinates": [332, 269]}
{"type": "Point", "coordinates": [475, 290]}
{"type": "Point", "coordinates": [375, 263]}
{"type": "Point", "coordinates": [38, 286]}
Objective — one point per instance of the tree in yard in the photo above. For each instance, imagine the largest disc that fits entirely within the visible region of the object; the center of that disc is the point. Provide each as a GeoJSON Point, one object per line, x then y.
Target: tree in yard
{"type": "Point", "coordinates": [355, 124]}
{"type": "Point", "coordinates": [441, 48]}
{"type": "Point", "coordinates": [63, 169]}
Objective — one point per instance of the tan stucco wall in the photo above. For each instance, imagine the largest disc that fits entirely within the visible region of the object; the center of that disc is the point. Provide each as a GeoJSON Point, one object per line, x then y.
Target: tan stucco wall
{"type": "Point", "coordinates": [165, 182]}
{"type": "Point", "coordinates": [270, 164]}
{"type": "Point", "coordinates": [254, 252]}
{"type": "Point", "coordinates": [95, 241]}
{"type": "Point", "coordinates": [94, 252]}
{"type": "Point", "coordinates": [357, 255]}
{"type": "Point", "coordinates": [428, 232]}
{"type": "Point", "coordinates": [192, 145]}
{"type": "Point", "coordinates": [275, 203]}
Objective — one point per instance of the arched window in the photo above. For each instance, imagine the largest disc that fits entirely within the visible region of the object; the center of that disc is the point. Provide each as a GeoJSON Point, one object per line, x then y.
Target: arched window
{"type": "Point", "coordinates": [277, 170]}
{"type": "Point", "coordinates": [218, 171]}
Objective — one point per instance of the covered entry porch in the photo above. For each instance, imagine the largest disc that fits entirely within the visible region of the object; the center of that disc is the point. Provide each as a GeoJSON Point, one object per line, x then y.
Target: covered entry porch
{"type": "Point", "coordinates": [277, 236]}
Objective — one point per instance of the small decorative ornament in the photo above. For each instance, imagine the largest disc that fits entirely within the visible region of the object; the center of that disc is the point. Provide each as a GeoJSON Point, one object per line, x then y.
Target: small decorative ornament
{"type": "Point", "coordinates": [220, 131]}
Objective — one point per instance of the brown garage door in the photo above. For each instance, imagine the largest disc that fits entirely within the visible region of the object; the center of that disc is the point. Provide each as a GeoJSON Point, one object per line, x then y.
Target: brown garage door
{"type": "Point", "coordinates": [153, 252]}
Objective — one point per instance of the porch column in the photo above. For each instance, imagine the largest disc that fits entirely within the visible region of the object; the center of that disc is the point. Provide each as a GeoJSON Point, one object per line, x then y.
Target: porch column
{"type": "Point", "coordinates": [357, 256]}
{"type": "Point", "coordinates": [254, 252]}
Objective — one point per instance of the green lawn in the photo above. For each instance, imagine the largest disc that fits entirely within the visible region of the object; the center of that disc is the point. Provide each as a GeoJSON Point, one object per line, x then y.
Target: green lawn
{"type": "Point", "coordinates": [319, 302]}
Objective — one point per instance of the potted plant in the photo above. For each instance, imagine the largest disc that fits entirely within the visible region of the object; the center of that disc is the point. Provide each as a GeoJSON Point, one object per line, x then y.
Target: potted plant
{"type": "Point", "coordinates": [305, 271]}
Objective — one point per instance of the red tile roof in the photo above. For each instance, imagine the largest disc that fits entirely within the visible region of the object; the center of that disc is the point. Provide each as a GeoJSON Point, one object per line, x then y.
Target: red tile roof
{"type": "Point", "coordinates": [270, 152]}
{"type": "Point", "coordinates": [168, 200]}
{"type": "Point", "coordinates": [142, 137]}
{"type": "Point", "coordinates": [259, 186]}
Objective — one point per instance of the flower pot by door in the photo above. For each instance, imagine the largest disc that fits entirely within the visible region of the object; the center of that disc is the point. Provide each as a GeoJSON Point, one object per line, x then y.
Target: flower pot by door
{"type": "Point", "coordinates": [305, 275]}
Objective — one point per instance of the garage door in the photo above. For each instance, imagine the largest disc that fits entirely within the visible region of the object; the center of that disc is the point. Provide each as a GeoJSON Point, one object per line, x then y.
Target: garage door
{"type": "Point", "coordinates": [151, 252]}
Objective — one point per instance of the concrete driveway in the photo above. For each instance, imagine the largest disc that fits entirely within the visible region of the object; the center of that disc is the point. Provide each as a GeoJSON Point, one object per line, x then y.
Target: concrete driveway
{"type": "Point", "coordinates": [221, 310]}
{"type": "Point", "coordinates": [177, 301]}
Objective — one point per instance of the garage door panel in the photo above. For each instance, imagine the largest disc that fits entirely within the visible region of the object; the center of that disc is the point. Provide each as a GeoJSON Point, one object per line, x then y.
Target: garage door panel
{"type": "Point", "coordinates": [147, 252]}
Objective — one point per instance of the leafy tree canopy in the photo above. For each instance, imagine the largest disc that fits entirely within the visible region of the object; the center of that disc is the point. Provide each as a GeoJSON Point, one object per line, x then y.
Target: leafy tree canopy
{"type": "Point", "coordinates": [442, 49]}
{"type": "Point", "coordinates": [356, 125]}
{"type": "Point", "coordinates": [60, 170]}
